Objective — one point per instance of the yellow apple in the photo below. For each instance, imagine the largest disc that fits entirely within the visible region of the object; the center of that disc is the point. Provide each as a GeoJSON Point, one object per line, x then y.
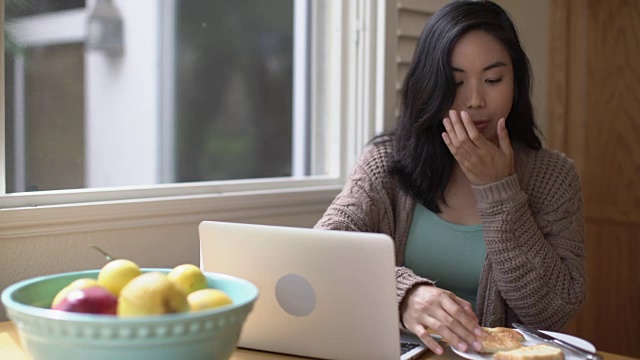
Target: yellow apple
{"type": "Point", "coordinates": [151, 294]}
{"type": "Point", "coordinates": [188, 278]}
{"type": "Point", "coordinates": [208, 299]}
{"type": "Point", "coordinates": [116, 274]}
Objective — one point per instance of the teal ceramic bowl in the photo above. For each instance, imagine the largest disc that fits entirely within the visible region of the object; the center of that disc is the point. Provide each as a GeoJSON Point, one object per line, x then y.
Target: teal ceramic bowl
{"type": "Point", "coordinates": [56, 335]}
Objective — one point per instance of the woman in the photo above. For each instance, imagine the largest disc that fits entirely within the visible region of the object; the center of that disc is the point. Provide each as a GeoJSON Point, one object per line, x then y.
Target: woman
{"type": "Point", "coordinates": [488, 225]}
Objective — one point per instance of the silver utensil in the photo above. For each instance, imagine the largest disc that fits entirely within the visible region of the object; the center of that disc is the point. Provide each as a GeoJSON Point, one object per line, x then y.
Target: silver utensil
{"type": "Point", "coordinates": [550, 339]}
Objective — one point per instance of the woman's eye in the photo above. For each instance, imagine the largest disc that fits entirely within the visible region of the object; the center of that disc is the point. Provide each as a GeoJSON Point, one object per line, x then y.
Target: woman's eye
{"type": "Point", "coordinates": [458, 83]}
{"type": "Point", "coordinates": [494, 81]}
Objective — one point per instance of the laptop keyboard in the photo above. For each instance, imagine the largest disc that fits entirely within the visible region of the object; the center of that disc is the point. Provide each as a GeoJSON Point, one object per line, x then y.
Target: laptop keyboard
{"type": "Point", "coordinates": [406, 347]}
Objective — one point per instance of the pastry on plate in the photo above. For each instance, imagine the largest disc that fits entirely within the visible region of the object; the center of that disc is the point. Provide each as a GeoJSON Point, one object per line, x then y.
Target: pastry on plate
{"type": "Point", "coordinates": [500, 339]}
{"type": "Point", "coordinates": [535, 352]}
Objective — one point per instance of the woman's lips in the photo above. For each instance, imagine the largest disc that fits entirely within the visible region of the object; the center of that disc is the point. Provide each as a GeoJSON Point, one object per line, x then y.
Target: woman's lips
{"type": "Point", "coordinates": [481, 124]}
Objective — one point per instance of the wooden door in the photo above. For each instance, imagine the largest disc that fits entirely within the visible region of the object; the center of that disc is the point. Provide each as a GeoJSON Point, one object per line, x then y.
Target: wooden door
{"type": "Point", "coordinates": [594, 117]}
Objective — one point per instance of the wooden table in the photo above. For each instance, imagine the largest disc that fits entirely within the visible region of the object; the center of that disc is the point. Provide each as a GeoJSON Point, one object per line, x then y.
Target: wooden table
{"type": "Point", "coordinates": [10, 349]}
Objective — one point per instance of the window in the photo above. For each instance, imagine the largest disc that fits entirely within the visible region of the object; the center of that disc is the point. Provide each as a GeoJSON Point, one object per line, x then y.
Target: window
{"type": "Point", "coordinates": [194, 97]}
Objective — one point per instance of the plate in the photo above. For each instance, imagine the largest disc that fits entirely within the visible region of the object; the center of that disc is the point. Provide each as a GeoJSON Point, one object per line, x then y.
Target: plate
{"type": "Point", "coordinates": [568, 355]}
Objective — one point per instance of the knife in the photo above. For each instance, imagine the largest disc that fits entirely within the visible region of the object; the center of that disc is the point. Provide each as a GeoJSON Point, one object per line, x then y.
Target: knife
{"type": "Point", "coordinates": [550, 339]}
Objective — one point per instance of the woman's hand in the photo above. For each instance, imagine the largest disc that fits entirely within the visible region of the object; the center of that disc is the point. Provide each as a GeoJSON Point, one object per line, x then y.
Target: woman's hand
{"type": "Point", "coordinates": [428, 307]}
{"type": "Point", "coordinates": [481, 161]}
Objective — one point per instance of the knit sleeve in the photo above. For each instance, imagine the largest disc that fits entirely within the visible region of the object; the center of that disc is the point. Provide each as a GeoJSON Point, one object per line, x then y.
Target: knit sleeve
{"type": "Point", "coordinates": [535, 241]}
{"type": "Point", "coordinates": [365, 205]}
{"type": "Point", "coordinates": [360, 205]}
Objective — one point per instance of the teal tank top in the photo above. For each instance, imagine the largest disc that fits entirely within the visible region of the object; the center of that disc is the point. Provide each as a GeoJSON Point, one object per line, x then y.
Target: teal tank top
{"type": "Point", "coordinates": [450, 254]}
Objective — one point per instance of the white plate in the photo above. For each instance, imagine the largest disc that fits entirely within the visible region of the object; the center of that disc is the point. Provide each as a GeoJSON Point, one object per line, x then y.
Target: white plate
{"type": "Point", "coordinates": [568, 355]}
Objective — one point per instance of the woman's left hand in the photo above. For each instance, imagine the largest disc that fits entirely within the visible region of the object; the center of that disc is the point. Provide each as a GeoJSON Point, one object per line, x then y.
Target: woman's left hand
{"type": "Point", "coordinates": [481, 161]}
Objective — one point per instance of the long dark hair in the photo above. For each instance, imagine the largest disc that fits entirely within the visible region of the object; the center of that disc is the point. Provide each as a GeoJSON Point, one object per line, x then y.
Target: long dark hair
{"type": "Point", "coordinates": [421, 160]}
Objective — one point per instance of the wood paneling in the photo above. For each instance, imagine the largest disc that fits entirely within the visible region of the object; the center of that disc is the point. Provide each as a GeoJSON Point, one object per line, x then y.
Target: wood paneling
{"type": "Point", "coordinates": [594, 107]}
{"type": "Point", "coordinates": [558, 73]}
{"type": "Point", "coordinates": [610, 318]}
{"type": "Point", "coordinates": [613, 102]}
{"type": "Point", "coordinates": [558, 79]}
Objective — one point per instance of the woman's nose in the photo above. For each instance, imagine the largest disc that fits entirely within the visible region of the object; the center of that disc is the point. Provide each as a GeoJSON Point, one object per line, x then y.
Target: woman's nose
{"type": "Point", "coordinates": [475, 98]}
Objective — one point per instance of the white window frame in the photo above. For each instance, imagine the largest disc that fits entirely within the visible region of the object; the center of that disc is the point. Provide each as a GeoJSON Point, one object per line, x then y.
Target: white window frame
{"type": "Point", "coordinates": [355, 99]}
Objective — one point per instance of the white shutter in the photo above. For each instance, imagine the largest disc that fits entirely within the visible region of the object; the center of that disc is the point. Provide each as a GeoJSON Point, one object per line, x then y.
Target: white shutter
{"type": "Point", "coordinates": [411, 18]}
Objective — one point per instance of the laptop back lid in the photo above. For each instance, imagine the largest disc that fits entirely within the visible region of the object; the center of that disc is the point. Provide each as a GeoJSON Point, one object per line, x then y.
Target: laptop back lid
{"type": "Point", "coordinates": [323, 294]}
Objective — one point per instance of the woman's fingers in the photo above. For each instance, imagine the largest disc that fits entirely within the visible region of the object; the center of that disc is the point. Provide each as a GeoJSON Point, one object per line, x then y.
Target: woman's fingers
{"type": "Point", "coordinates": [443, 312]}
{"type": "Point", "coordinates": [465, 326]}
{"type": "Point", "coordinates": [458, 126]}
{"type": "Point", "coordinates": [503, 138]}
{"type": "Point", "coordinates": [481, 161]}
{"type": "Point", "coordinates": [451, 132]}
{"type": "Point", "coordinates": [426, 338]}
{"type": "Point", "coordinates": [466, 306]}
{"type": "Point", "coordinates": [475, 137]}
{"type": "Point", "coordinates": [464, 140]}
{"type": "Point", "coordinates": [450, 320]}
{"type": "Point", "coordinates": [452, 140]}
{"type": "Point", "coordinates": [450, 329]}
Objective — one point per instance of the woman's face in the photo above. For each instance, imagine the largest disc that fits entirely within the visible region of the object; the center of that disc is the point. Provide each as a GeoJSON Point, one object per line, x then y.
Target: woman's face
{"type": "Point", "coordinates": [484, 80]}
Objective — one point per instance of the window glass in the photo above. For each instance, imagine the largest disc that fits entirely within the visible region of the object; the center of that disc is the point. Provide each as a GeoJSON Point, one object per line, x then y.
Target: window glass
{"type": "Point", "coordinates": [234, 77]}
{"type": "Point", "coordinates": [112, 93]}
{"type": "Point", "coordinates": [51, 129]}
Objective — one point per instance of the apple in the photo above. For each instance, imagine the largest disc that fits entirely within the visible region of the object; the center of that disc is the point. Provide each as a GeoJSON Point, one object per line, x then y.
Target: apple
{"type": "Point", "coordinates": [77, 284]}
{"type": "Point", "coordinates": [91, 300]}
{"type": "Point", "coordinates": [117, 273]}
{"type": "Point", "coordinates": [188, 278]}
{"type": "Point", "coordinates": [151, 294]}
{"type": "Point", "coordinates": [208, 299]}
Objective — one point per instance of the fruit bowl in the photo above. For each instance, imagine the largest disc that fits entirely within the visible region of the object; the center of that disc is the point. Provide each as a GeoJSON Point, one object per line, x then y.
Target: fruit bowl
{"type": "Point", "coordinates": [51, 335]}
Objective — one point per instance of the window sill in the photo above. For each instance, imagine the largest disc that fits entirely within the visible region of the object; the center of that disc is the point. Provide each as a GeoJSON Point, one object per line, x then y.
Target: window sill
{"type": "Point", "coordinates": [148, 212]}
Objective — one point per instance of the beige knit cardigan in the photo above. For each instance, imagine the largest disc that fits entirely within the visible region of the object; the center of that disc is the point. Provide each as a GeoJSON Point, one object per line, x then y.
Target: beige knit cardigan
{"type": "Point", "coordinates": [533, 224]}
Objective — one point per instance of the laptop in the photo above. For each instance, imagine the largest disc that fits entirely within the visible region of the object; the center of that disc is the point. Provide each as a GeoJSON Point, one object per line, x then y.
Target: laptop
{"type": "Point", "coordinates": [323, 294]}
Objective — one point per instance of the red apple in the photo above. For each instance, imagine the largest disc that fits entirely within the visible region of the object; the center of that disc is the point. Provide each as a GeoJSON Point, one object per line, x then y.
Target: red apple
{"type": "Point", "coordinates": [91, 300]}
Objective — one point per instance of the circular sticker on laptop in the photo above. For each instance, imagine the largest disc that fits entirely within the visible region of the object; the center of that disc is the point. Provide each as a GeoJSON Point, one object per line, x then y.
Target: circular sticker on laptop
{"type": "Point", "coordinates": [295, 295]}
